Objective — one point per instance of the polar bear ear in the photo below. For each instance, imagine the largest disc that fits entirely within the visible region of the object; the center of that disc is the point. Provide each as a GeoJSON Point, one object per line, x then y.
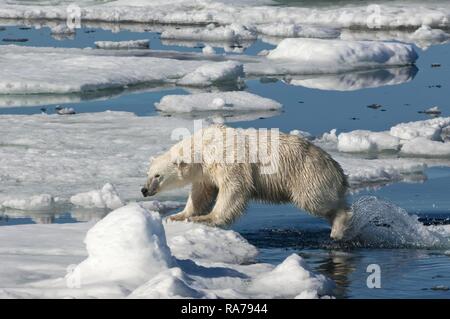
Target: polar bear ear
{"type": "Point", "coordinates": [151, 159]}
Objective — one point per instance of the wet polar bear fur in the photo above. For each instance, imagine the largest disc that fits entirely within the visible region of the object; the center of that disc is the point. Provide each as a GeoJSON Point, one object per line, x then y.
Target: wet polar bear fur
{"type": "Point", "coordinates": [305, 175]}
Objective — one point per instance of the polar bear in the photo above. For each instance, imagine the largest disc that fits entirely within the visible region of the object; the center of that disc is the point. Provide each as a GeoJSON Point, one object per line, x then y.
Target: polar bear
{"type": "Point", "coordinates": [227, 168]}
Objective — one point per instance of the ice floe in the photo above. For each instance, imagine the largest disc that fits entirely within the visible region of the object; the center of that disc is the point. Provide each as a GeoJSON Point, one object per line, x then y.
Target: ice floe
{"type": "Point", "coordinates": [36, 202]}
{"type": "Point", "coordinates": [132, 44]}
{"type": "Point", "coordinates": [214, 73]}
{"type": "Point", "coordinates": [170, 260]}
{"type": "Point", "coordinates": [220, 101]}
{"type": "Point", "coordinates": [50, 70]}
{"type": "Point", "coordinates": [422, 138]}
{"type": "Point", "coordinates": [340, 54]}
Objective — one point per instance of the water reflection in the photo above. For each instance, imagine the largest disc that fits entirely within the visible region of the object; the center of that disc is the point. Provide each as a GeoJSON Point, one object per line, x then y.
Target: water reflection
{"type": "Point", "coordinates": [224, 116]}
{"type": "Point", "coordinates": [355, 80]}
{"type": "Point", "coordinates": [57, 215]}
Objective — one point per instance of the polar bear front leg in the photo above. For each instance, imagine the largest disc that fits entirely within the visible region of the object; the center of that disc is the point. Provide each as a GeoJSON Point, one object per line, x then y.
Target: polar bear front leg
{"type": "Point", "coordinates": [229, 205]}
{"type": "Point", "coordinates": [200, 201]}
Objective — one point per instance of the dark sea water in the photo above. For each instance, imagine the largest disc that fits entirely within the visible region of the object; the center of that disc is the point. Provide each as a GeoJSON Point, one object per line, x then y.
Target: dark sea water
{"type": "Point", "coordinates": [279, 230]}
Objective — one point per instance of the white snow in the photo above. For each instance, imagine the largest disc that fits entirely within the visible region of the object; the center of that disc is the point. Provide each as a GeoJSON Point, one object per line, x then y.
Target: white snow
{"type": "Point", "coordinates": [132, 44]}
{"type": "Point", "coordinates": [212, 73]}
{"type": "Point", "coordinates": [234, 101]}
{"type": "Point", "coordinates": [107, 197]}
{"type": "Point", "coordinates": [337, 54]}
{"type": "Point", "coordinates": [130, 253]}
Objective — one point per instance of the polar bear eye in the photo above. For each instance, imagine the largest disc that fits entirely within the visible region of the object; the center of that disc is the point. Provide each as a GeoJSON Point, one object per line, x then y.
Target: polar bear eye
{"type": "Point", "coordinates": [157, 176]}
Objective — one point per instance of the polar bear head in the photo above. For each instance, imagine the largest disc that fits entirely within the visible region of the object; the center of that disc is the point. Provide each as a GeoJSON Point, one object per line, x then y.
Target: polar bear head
{"type": "Point", "coordinates": [169, 172]}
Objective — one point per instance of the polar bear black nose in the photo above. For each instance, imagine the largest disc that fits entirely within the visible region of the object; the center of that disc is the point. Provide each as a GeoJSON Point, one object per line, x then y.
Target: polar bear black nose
{"type": "Point", "coordinates": [144, 191]}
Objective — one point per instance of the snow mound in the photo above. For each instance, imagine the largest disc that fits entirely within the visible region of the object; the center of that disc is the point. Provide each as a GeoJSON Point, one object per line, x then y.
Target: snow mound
{"type": "Point", "coordinates": [107, 197]}
{"type": "Point", "coordinates": [128, 246]}
{"type": "Point", "coordinates": [133, 44]}
{"type": "Point", "coordinates": [336, 53]}
{"type": "Point", "coordinates": [199, 242]}
{"type": "Point", "coordinates": [233, 101]}
{"type": "Point", "coordinates": [292, 275]}
{"type": "Point", "coordinates": [213, 73]}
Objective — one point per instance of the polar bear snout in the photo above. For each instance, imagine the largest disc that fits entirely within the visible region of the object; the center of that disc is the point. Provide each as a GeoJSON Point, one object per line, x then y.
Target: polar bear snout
{"type": "Point", "coordinates": [152, 187]}
{"type": "Point", "coordinates": [144, 191]}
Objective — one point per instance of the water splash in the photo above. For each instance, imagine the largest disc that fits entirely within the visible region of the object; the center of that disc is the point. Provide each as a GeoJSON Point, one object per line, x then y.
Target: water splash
{"type": "Point", "coordinates": [379, 223]}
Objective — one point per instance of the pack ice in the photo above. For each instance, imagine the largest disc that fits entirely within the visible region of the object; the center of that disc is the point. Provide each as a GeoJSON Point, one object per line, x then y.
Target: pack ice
{"type": "Point", "coordinates": [420, 138]}
{"type": "Point", "coordinates": [33, 70]}
{"type": "Point", "coordinates": [51, 70]}
{"type": "Point", "coordinates": [253, 13]}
